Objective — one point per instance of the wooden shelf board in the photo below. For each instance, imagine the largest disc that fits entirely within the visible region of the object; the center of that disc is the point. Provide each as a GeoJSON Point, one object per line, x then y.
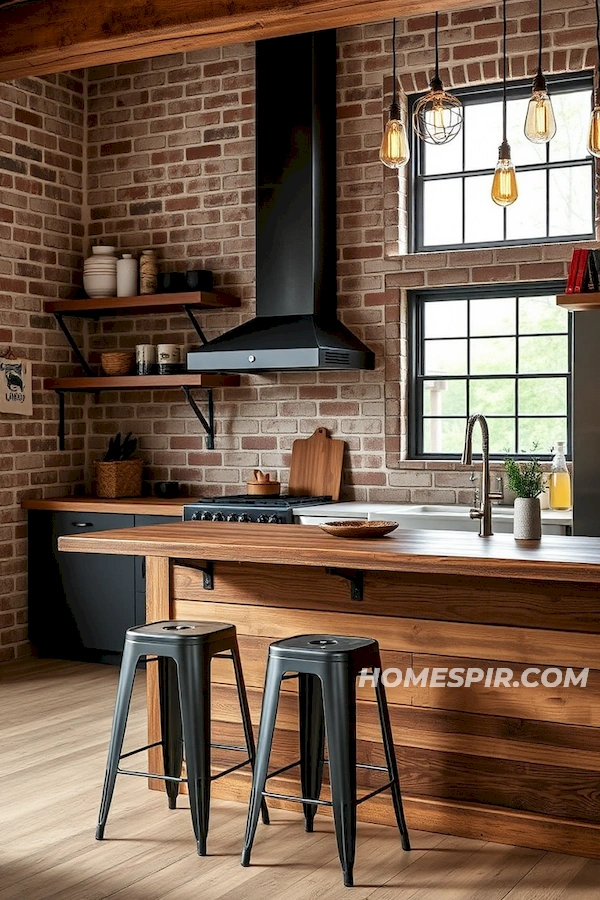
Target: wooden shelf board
{"type": "Point", "coordinates": [150, 303]}
{"type": "Point", "coordinates": [578, 302]}
{"type": "Point", "coordinates": [140, 382]}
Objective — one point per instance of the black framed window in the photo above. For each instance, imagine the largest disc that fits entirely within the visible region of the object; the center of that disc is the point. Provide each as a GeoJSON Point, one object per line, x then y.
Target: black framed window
{"type": "Point", "coordinates": [451, 205]}
{"type": "Point", "coordinates": [501, 350]}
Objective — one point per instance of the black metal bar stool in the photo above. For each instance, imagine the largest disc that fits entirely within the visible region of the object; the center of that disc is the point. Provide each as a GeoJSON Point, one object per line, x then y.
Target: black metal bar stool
{"type": "Point", "coordinates": [327, 667]}
{"type": "Point", "coordinates": [184, 652]}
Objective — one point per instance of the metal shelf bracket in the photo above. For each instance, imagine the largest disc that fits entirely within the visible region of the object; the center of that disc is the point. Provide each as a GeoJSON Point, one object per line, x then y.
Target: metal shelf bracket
{"type": "Point", "coordinates": [73, 344]}
{"type": "Point", "coordinates": [356, 578]}
{"type": "Point", "coordinates": [207, 569]}
{"type": "Point", "coordinates": [196, 324]}
{"type": "Point", "coordinates": [208, 425]}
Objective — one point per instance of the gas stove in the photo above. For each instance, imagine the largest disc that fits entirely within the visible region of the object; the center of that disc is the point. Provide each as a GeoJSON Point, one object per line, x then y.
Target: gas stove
{"type": "Point", "coordinates": [272, 510]}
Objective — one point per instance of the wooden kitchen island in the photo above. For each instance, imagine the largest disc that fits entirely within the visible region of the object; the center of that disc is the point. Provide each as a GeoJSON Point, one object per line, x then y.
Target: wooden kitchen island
{"type": "Point", "coordinates": [516, 765]}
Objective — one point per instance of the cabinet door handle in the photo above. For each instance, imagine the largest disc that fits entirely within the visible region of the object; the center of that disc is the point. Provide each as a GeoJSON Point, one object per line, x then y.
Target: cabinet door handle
{"type": "Point", "coordinates": [82, 524]}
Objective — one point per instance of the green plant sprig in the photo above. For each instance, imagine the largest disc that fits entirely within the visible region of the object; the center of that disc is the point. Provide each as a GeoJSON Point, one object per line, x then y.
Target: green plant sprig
{"type": "Point", "coordinates": [119, 450]}
{"type": "Point", "coordinates": [525, 479]}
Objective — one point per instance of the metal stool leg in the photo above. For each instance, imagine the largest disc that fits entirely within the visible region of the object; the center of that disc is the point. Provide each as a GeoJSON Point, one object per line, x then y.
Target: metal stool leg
{"type": "Point", "coordinates": [268, 716]}
{"type": "Point", "coordinates": [390, 757]}
{"type": "Point", "coordinates": [194, 670]}
{"type": "Point", "coordinates": [312, 743]}
{"type": "Point", "coordinates": [246, 720]}
{"type": "Point", "coordinates": [124, 690]}
{"type": "Point", "coordinates": [170, 724]}
{"type": "Point", "coordinates": [339, 695]}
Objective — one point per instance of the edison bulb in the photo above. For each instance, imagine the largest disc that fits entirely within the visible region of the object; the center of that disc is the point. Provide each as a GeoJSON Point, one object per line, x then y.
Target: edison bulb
{"type": "Point", "coordinates": [394, 152]}
{"type": "Point", "coordinates": [540, 124]}
{"type": "Point", "coordinates": [594, 133]}
{"type": "Point", "coordinates": [504, 185]}
{"type": "Point", "coordinates": [438, 120]}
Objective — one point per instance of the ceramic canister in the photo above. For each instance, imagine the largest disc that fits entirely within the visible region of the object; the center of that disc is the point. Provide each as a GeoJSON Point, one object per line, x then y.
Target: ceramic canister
{"type": "Point", "coordinates": [169, 359]}
{"type": "Point", "coordinates": [145, 359]}
{"type": "Point", "coordinates": [127, 276]}
{"type": "Point", "coordinates": [100, 272]}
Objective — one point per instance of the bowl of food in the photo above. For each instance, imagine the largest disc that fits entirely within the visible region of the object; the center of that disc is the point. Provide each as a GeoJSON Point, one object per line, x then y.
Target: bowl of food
{"type": "Point", "coordinates": [358, 528]}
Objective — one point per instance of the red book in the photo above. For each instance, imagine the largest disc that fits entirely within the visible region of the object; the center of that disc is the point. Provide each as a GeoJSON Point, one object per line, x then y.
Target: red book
{"type": "Point", "coordinates": [572, 271]}
{"type": "Point", "coordinates": [581, 270]}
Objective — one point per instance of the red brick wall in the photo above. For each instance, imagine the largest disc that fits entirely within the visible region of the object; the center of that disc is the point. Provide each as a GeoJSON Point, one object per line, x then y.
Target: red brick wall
{"type": "Point", "coordinates": [169, 163]}
{"type": "Point", "coordinates": [41, 240]}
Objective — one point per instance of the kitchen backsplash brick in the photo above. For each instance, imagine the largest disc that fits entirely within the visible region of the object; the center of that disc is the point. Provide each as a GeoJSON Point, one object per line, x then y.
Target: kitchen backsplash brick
{"type": "Point", "coordinates": [160, 152]}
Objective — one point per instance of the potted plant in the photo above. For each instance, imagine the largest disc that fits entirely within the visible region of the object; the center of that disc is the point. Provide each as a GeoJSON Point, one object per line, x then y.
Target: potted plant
{"type": "Point", "coordinates": [118, 475]}
{"type": "Point", "coordinates": [526, 481]}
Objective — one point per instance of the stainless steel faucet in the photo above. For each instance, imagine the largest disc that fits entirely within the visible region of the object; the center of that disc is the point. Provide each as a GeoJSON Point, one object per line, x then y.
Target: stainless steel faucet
{"type": "Point", "coordinates": [484, 512]}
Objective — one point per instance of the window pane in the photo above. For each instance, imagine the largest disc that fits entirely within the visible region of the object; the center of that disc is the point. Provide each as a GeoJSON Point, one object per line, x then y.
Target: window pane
{"type": "Point", "coordinates": [502, 435]}
{"type": "Point", "coordinates": [543, 396]}
{"type": "Point", "coordinates": [445, 398]}
{"type": "Point", "coordinates": [495, 315]}
{"type": "Point", "coordinates": [541, 314]}
{"type": "Point", "coordinates": [527, 217]}
{"type": "Point", "coordinates": [445, 357]}
{"type": "Point", "coordinates": [483, 127]}
{"type": "Point", "coordinates": [540, 435]}
{"type": "Point", "coordinates": [446, 318]}
{"type": "Point", "coordinates": [572, 113]}
{"type": "Point", "coordinates": [543, 354]}
{"type": "Point", "coordinates": [524, 152]}
{"type": "Point", "coordinates": [443, 157]}
{"type": "Point", "coordinates": [493, 356]}
{"type": "Point", "coordinates": [442, 212]}
{"type": "Point", "coordinates": [443, 435]}
{"type": "Point", "coordinates": [492, 397]}
{"type": "Point", "coordinates": [571, 201]}
{"type": "Point", "coordinates": [484, 220]}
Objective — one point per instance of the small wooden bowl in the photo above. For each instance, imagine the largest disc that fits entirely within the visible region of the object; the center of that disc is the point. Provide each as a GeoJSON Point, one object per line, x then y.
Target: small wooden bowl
{"type": "Point", "coordinates": [263, 488]}
{"type": "Point", "coordinates": [117, 362]}
{"type": "Point", "coordinates": [359, 528]}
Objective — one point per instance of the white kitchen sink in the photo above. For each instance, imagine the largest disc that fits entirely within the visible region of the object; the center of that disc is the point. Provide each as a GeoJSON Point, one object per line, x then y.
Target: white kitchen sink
{"type": "Point", "coordinates": [457, 518]}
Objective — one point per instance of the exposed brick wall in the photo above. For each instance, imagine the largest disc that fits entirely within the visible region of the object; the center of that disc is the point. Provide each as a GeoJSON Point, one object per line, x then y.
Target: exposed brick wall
{"type": "Point", "coordinates": [168, 162]}
{"type": "Point", "coordinates": [41, 240]}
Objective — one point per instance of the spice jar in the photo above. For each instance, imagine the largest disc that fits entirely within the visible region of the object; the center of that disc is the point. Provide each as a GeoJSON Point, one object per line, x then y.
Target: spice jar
{"type": "Point", "coordinates": [148, 272]}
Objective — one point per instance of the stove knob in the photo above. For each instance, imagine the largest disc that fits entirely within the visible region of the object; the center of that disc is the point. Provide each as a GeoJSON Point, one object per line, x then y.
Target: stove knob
{"type": "Point", "coordinates": [233, 518]}
{"type": "Point", "coordinates": [205, 517]}
{"type": "Point", "coordinates": [195, 517]}
{"type": "Point", "coordinates": [218, 517]}
{"type": "Point", "coordinates": [244, 518]}
{"type": "Point", "coordinates": [262, 519]}
{"type": "Point", "coordinates": [273, 520]}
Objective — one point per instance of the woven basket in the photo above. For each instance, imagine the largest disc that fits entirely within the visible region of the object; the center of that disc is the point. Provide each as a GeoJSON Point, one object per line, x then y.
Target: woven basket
{"type": "Point", "coordinates": [119, 479]}
{"type": "Point", "coordinates": [117, 363]}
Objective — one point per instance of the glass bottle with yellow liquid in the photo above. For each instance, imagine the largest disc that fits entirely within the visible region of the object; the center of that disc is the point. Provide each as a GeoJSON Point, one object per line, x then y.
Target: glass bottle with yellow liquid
{"type": "Point", "coordinates": [560, 480]}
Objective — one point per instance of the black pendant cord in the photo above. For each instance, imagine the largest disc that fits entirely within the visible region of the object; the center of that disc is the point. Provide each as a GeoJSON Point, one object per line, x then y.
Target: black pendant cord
{"type": "Point", "coordinates": [437, 49]}
{"type": "Point", "coordinates": [597, 102]}
{"type": "Point", "coordinates": [504, 72]}
{"type": "Point", "coordinates": [395, 94]}
{"type": "Point", "coordinates": [540, 37]}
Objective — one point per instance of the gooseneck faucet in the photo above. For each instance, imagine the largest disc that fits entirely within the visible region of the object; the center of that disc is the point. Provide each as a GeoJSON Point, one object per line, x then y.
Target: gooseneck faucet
{"type": "Point", "coordinates": [484, 512]}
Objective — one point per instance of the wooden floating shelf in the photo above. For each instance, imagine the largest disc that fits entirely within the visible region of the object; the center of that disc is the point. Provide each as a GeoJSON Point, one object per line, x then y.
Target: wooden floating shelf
{"type": "Point", "coordinates": [579, 302]}
{"type": "Point", "coordinates": [146, 304]}
{"type": "Point", "coordinates": [86, 384]}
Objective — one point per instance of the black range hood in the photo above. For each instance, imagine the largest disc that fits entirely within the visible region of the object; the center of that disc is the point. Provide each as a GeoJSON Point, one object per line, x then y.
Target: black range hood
{"type": "Point", "coordinates": [296, 324]}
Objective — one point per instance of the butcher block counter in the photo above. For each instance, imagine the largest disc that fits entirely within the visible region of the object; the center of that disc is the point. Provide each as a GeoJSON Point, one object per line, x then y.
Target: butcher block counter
{"type": "Point", "coordinates": [514, 764]}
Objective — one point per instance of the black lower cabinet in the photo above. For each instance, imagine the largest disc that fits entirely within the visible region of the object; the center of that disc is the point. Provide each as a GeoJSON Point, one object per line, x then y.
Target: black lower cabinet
{"type": "Point", "coordinates": [81, 604]}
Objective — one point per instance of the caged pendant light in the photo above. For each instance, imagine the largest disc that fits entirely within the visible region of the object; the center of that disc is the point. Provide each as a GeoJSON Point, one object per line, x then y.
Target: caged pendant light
{"type": "Point", "coordinates": [594, 132]}
{"type": "Point", "coordinates": [540, 124]}
{"type": "Point", "coordinates": [504, 185]}
{"type": "Point", "coordinates": [438, 116]}
{"type": "Point", "coordinates": [394, 152]}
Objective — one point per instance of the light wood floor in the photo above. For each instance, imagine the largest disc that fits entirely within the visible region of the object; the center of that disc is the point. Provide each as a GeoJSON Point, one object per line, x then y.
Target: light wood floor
{"type": "Point", "coordinates": [54, 724]}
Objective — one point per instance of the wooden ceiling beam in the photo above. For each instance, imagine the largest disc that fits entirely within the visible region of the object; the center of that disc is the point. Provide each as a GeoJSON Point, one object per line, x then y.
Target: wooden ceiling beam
{"type": "Point", "coordinates": [46, 36]}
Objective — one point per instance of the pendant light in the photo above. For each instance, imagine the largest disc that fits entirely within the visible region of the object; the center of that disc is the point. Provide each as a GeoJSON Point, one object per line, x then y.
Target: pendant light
{"type": "Point", "coordinates": [394, 152]}
{"type": "Point", "coordinates": [594, 133]}
{"type": "Point", "coordinates": [504, 185]}
{"type": "Point", "coordinates": [540, 124]}
{"type": "Point", "coordinates": [438, 116]}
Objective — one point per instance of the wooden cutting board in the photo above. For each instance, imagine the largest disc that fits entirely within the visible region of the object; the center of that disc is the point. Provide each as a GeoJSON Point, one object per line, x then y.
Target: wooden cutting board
{"type": "Point", "coordinates": [316, 468]}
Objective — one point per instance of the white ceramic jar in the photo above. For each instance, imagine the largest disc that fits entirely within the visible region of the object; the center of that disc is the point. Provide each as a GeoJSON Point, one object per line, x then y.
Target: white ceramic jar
{"type": "Point", "coordinates": [100, 273]}
{"type": "Point", "coordinates": [127, 276]}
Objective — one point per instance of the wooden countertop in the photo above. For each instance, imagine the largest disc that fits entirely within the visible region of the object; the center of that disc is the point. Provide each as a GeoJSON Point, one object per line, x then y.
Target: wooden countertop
{"type": "Point", "coordinates": [441, 552]}
{"type": "Point", "coordinates": [141, 506]}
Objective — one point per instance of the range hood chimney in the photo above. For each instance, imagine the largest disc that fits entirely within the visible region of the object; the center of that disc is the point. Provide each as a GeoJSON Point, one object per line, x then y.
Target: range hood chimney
{"type": "Point", "coordinates": [296, 324]}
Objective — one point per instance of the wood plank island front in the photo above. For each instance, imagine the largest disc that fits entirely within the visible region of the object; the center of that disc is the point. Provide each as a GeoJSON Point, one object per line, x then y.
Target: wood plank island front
{"type": "Point", "coordinates": [518, 765]}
